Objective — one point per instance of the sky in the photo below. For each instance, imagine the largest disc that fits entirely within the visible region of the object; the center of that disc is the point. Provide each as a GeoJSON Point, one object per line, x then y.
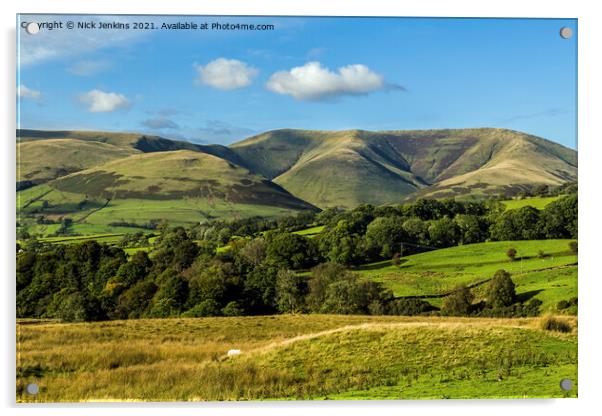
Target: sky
{"type": "Point", "coordinates": [221, 85]}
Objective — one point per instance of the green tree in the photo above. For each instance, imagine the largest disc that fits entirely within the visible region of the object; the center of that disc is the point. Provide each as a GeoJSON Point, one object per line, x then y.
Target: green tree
{"type": "Point", "coordinates": [384, 233]}
{"type": "Point", "coordinates": [501, 290]}
{"type": "Point", "coordinates": [458, 303]}
{"type": "Point", "coordinates": [289, 292]}
{"type": "Point", "coordinates": [291, 250]}
{"type": "Point", "coordinates": [443, 232]}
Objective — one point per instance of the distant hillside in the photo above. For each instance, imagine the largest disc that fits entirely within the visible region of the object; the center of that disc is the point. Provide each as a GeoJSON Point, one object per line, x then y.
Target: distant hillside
{"type": "Point", "coordinates": [324, 168]}
{"type": "Point", "coordinates": [172, 175]}
{"type": "Point", "coordinates": [126, 141]}
{"type": "Point", "coordinates": [39, 162]}
{"type": "Point", "coordinates": [347, 168]}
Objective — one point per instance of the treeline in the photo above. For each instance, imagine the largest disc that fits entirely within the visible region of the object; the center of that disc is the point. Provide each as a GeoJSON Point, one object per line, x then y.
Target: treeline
{"type": "Point", "coordinates": [258, 271]}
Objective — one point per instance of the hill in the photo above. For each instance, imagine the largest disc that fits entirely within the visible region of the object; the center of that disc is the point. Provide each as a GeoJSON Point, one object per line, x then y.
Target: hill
{"type": "Point", "coordinates": [550, 277]}
{"type": "Point", "coordinates": [39, 162]}
{"type": "Point", "coordinates": [184, 187]}
{"type": "Point", "coordinates": [347, 168]}
{"type": "Point", "coordinates": [174, 175]}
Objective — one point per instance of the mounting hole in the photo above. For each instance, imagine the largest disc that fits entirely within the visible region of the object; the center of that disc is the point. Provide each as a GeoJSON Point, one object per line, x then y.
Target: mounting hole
{"type": "Point", "coordinates": [32, 388]}
{"type": "Point", "coordinates": [32, 28]}
{"type": "Point", "coordinates": [566, 384]}
{"type": "Point", "coordinates": [566, 32]}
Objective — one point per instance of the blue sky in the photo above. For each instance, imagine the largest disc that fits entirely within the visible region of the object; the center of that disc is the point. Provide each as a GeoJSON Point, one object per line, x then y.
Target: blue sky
{"type": "Point", "coordinates": [220, 86]}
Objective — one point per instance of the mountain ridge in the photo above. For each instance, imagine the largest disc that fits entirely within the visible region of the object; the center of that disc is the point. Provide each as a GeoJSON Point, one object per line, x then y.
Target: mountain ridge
{"type": "Point", "coordinates": [345, 167]}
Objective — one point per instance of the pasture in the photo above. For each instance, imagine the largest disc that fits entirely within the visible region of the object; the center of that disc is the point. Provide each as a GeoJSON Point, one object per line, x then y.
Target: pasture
{"type": "Point", "coordinates": [550, 278]}
{"type": "Point", "coordinates": [294, 357]}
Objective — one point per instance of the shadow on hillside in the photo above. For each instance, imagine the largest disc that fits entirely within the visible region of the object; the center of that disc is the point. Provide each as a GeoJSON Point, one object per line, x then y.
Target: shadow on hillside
{"type": "Point", "coordinates": [380, 265]}
{"type": "Point", "coordinates": [523, 297]}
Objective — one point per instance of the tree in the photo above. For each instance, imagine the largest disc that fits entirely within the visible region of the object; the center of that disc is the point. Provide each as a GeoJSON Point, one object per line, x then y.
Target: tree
{"type": "Point", "coordinates": [292, 250]}
{"type": "Point", "coordinates": [134, 302]}
{"type": "Point", "coordinates": [559, 218]}
{"type": "Point", "coordinates": [458, 303]}
{"type": "Point", "coordinates": [169, 299]}
{"type": "Point", "coordinates": [321, 277]}
{"type": "Point", "coordinates": [573, 247]}
{"type": "Point", "coordinates": [471, 228]}
{"type": "Point", "coordinates": [340, 244]}
{"type": "Point", "coordinates": [384, 233]}
{"type": "Point", "coordinates": [443, 233]}
{"type": "Point", "coordinates": [254, 252]}
{"type": "Point", "coordinates": [511, 253]}
{"type": "Point", "coordinates": [501, 290]}
{"type": "Point", "coordinates": [260, 289]}
{"type": "Point", "coordinates": [289, 292]}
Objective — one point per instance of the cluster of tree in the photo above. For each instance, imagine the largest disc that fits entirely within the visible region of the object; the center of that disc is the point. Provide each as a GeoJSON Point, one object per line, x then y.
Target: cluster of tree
{"type": "Point", "coordinates": [543, 190]}
{"type": "Point", "coordinates": [500, 300]}
{"type": "Point", "coordinates": [138, 239]}
{"type": "Point", "coordinates": [189, 273]}
{"type": "Point", "coordinates": [370, 233]}
{"type": "Point", "coordinates": [91, 281]}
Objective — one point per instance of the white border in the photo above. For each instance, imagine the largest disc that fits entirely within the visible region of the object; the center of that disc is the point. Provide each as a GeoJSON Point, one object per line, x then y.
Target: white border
{"type": "Point", "coordinates": [590, 152]}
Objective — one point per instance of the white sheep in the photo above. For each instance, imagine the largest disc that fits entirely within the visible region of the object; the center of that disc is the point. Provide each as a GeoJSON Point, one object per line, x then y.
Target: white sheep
{"type": "Point", "coordinates": [232, 353]}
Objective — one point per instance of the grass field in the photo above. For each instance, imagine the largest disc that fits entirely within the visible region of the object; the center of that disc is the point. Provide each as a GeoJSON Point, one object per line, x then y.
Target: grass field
{"type": "Point", "coordinates": [550, 279]}
{"type": "Point", "coordinates": [310, 232]}
{"type": "Point", "coordinates": [535, 202]}
{"type": "Point", "coordinates": [96, 216]}
{"type": "Point", "coordinates": [294, 357]}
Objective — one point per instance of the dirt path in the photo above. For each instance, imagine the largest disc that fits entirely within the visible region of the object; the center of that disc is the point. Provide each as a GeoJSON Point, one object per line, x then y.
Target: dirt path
{"type": "Point", "coordinates": [372, 326]}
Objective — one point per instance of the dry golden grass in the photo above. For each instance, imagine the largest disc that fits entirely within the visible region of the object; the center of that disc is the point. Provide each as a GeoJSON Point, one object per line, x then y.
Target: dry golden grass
{"type": "Point", "coordinates": [303, 356]}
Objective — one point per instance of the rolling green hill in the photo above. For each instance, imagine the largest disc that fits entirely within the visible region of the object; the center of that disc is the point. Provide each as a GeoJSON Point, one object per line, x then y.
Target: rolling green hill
{"type": "Point", "coordinates": [272, 173]}
{"type": "Point", "coordinates": [39, 162]}
{"type": "Point", "coordinates": [347, 168]}
{"type": "Point", "coordinates": [183, 187]}
{"type": "Point", "coordinates": [550, 278]}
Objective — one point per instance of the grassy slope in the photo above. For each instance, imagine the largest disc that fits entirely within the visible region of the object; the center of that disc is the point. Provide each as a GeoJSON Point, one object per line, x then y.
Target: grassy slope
{"type": "Point", "coordinates": [549, 279]}
{"type": "Point", "coordinates": [41, 161]}
{"type": "Point", "coordinates": [184, 187]}
{"type": "Point", "coordinates": [535, 202]}
{"type": "Point", "coordinates": [91, 220]}
{"type": "Point", "coordinates": [349, 167]}
{"type": "Point", "coordinates": [330, 168]}
{"type": "Point", "coordinates": [313, 356]}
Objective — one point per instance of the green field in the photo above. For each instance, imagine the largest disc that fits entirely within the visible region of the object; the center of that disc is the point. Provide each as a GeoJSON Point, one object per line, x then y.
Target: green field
{"type": "Point", "coordinates": [294, 357]}
{"type": "Point", "coordinates": [535, 202]}
{"type": "Point", "coordinates": [96, 215]}
{"type": "Point", "coordinates": [310, 232]}
{"type": "Point", "coordinates": [553, 277]}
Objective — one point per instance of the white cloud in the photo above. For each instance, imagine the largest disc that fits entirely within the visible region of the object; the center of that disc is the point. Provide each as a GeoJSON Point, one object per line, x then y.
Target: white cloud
{"type": "Point", "coordinates": [24, 92]}
{"type": "Point", "coordinates": [89, 67]}
{"type": "Point", "coordinates": [226, 74]}
{"type": "Point", "coordinates": [98, 101]}
{"type": "Point", "coordinates": [314, 82]}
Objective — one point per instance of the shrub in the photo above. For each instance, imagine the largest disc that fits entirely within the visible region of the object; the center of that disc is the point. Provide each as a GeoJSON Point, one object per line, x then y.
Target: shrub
{"type": "Point", "coordinates": [458, 303]}
{"type": "Point", "coordinates": [232, 309]}
{"type": "Point", "coordinates": [541, 254]}
{"type": "Point", "coordinates": [396, 259]}
{"type": "Point", "coordinates": [573, 247]}
{"type": "Point", "coordinates": [511, 253]}
{"type": "Point", "coordinates": [208, 307]}
{"type": "Point", "coordinates": [409, 307]}
{"type": "Point", "coordinates": [552, 323]}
